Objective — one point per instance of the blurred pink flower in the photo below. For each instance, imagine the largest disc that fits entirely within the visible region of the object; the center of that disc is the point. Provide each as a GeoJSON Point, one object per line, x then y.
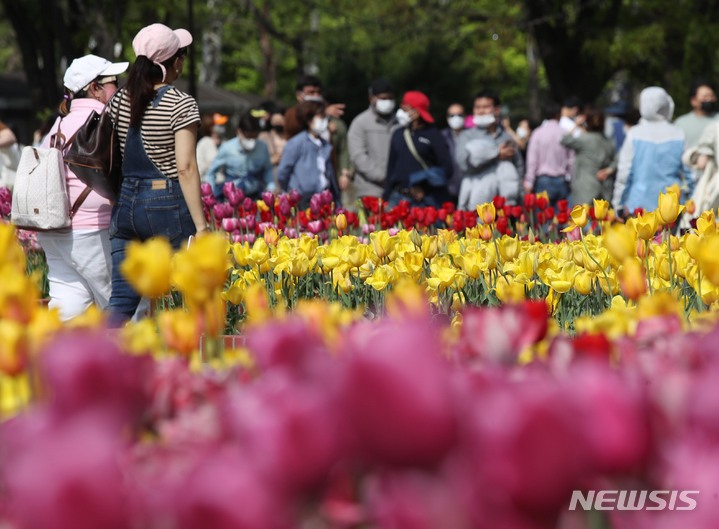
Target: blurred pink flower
{"type": "Point", "coordinates": [395, 393]}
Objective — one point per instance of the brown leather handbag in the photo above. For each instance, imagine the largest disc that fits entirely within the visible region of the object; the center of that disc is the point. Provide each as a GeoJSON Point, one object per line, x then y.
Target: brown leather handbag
{"type": "Point", "coordinates": [95, 156]}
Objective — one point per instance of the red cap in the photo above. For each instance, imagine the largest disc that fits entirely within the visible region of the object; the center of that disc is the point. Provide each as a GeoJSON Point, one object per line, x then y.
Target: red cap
{"type": "Point", "coordinates": [419, 102]}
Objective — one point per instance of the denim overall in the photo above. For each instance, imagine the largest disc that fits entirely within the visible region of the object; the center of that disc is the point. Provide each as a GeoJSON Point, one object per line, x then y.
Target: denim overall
{"type": "Point", "coordinates": [149, 205]}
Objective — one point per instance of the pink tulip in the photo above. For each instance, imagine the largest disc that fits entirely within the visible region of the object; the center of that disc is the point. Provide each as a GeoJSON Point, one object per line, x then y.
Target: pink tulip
{"type": "Point", "coordinates": [224, 491]}
{"type": "Point", "coordinates": [230, 224]}
{"type": "Point", "coordinates": [395, 393]}
{"type": "Point", "coordinates": [85, 370]}
{"type": "Point", "coordinates": [205, 189]}
{"type": "Point", "coordinates": [269, 199]}
{"type": "Point", "coordinates": [68, 477]}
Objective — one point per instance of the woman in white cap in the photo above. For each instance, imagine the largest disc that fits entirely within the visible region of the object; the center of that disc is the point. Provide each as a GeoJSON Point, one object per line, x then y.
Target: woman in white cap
{"type": "Point", "coordinates": [157, 126]}
{"type": "Point", "coordinates": [79, 261]}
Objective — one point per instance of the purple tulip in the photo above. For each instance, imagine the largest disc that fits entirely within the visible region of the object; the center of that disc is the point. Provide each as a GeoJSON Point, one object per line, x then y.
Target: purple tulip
{"type": "Point", "coordinates": [326, 197]}
{"type": "Point", "coordinates": [316, 204]}
{"type": "Point", "coordinates": [284, 206]}
{"type": "Point", "coordinates": [295, 197]}
{"type": "Point", "coordinates": [247, 204]}
{"type": "Point", "coordinates": [205, 189]}
{"type": "Point", "coordinates": [209, 201]}
{"type": "Point", "coordinates": [268, 198]}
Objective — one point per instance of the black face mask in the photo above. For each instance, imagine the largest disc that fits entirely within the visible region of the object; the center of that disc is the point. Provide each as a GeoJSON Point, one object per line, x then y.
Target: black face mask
{"type": "Point", "coordinates": [709, 106]}
{"type": "Point", "coordinates": [279, 129]}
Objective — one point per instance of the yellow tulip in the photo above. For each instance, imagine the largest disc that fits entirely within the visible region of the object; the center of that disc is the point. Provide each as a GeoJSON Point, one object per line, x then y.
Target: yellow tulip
{"type": "Point", "coordinates": [341, 281]}
{"type": "Point", "coordinates": [381, 242]}
{"type": "Point", "coordinates": [430, 246]}
{"type": "Point", "coordinates": [668, 208]}
{"type": "Point", "coordinates": [620, 241]}
{"type": "Point", "coordinates": [646, 225]}
{"type": "Point", "coordinates": [341, 222]}
{"type": "Point", "coordinates": [179, 331]}
{"type": "Point", "coordinates": [141, 337]}
{"type": "Point", "coordinates": [508, 248]}
{"type": "Point", "coordinates": [632, 279]}
{"type": "Point", "coordinates": [407, 300]}
{"type": "Point", "coordinates": [583, 282]}
{"type": "Point", "coordinates": [201, 269]}
{"type": "Point", "coordinates": [601, 208]}
{"type": "Point", "coordinates": [13, 348]}
{"type": "Point", "coordinates": [509, 291]}
{"type": "Point", "coordinates": [271, 236]}
{"type": "Point", "coordinates": [381, 278]}
{"type": "Point", "coordinates": [706, 223]}
{"type": "Point", "coordinates": [691, 244]}
{"type": "Point", "coordinates": [148, 265]}
{"type": "Point", "coordinates": [579, 215]}
{"type": "Point", "coordinates": [708, 258]}
{"type": "Point", "coordinates": [487, 212]}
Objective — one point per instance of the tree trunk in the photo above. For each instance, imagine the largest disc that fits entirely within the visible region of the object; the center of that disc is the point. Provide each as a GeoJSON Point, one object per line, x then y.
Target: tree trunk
{"type": "Point", "coordinates": [571, 70]}
{"type": "Point", "coordinates": [269, 66]}
{"type": "Point", "coordinates": [533, 88]}
{"type": "Point", "coordinates": [212, 45]}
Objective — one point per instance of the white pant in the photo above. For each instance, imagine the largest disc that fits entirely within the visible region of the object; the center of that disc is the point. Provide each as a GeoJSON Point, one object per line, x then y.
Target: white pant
{"type": "Point", "coordinates": [79, 270]}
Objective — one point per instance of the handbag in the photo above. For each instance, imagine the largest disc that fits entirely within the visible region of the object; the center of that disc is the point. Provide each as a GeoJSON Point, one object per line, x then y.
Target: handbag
{"type": "Point", "coordinates": [40, 200]}
{"type": "Point", "coordinates": [95, 155]}
{"type": "Point", "coordinates": [433, 176]}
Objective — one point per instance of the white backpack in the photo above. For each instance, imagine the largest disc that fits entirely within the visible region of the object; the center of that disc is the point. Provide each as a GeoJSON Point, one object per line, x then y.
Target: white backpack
{"type": "Point", "coordinates": [40, 198]}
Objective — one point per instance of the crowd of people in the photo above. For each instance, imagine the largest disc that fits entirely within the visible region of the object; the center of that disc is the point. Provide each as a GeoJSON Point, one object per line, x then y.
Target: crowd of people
{"type": "Point", "coordinates": [578, 152]}
{"type": "Point", "coordinates": [398, 152]}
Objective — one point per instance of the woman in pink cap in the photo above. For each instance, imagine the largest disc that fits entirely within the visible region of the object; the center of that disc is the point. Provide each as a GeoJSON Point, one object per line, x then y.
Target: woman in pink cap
{"type": "Point", "coordinates": [157, 126]}
{"type": "Point", "coordinates": [419, 161]}
{"type": "Point", "coordinates": [79, 261]}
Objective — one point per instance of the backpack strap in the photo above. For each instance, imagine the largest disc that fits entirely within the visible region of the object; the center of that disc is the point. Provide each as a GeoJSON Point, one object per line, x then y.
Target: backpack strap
{"type": "Point", "coordinates": [79, 200]}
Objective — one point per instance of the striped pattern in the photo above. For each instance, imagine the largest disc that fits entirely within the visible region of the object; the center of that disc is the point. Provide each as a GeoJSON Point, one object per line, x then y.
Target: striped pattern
{"type": "Point", "coordinates": [176, 111]}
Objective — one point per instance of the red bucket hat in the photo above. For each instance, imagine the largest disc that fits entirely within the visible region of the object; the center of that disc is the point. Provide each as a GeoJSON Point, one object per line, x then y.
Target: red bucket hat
{"type": "Point", "coordinates": [419, 102]}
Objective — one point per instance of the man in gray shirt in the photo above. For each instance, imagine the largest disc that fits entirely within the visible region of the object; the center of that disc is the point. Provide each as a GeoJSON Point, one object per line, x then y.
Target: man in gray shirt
{"type": "Point", "coordinates": [704, 106]}
{"type": "Point", "coordinates": [369, 139]}
{"type": "Point", "coordinates": [488, 158]}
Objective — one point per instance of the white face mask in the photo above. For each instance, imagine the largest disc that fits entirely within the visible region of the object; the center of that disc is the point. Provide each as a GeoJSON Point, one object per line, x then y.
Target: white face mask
{"type": "Point", "coordinates": [318, 99]}
{"type": "Point", "coordinates": [483, 121]}
{"type": "Point", "coordinates": [522, 132]}
{"type": "Point", "coordinates": [319, 125]}
{"type": "Point", "coordinates": [248, 144]}
{"type": "Point", "coordinates": [456, 122]}
{"type": "Point", "coordinates": [403, 118]}
{"type": "Point", "coordinates": [384, 106]}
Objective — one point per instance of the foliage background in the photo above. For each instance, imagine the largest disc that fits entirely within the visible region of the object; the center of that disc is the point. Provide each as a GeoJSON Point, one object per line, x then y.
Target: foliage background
{"type": "Point", "coordinates": [600, 50]}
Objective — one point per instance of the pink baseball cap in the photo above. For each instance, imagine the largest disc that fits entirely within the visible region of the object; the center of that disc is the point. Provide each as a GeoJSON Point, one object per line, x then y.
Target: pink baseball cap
{"type": "Point", "coordinates": [158, 43]}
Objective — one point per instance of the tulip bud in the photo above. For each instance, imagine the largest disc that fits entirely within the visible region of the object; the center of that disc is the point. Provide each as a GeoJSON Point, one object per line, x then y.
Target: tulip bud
{"type": "Point", "coordinates": [341, 222]}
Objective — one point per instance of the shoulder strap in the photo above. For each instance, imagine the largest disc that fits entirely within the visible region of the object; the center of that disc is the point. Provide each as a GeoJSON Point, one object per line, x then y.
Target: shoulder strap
{"type": "Point", "coordinates": [79, 200]}
{"type": "Point", "coordinates": [413, 149]}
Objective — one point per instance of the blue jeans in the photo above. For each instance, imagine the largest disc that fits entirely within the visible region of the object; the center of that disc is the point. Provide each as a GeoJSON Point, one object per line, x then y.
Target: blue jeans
{"type": "Point", "coordinates": [557, 188]}
{"type": "Point", "coordinates": [149, 205]}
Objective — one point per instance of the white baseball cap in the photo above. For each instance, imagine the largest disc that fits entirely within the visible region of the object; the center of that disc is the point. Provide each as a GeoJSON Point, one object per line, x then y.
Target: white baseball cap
{"type": "Point", "coordinates": [86, 69]}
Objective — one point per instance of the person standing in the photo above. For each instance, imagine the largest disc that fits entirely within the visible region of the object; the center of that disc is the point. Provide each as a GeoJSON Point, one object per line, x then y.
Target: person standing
{"type": "Point", "coordinates": [703, 100]}
{"type": "Point", "coordinates": [243, 160]}
{"type": "Point", "coordinates": [157, 127]}
{"type": "Point", "coordinates": [369, 138]}
{"type": "Point", "coordinates": [416, 146]}
{"type": "Point", "coordinates": [481, 151]}
{"type": "Point", "coordinates": [549, 163]}
{"type": "Point", "coordinates": [211, 136]}
{"type": "Point", "coordinates": [455, 125]}
{"type": "Point", "coordinates": [595, 159]}
{"type": "Point", "coordinates": [79, 260]}
{"type": "Point", "coordinates": [651, 157]}
{"type": "Point", "coordinates": [306, 164]}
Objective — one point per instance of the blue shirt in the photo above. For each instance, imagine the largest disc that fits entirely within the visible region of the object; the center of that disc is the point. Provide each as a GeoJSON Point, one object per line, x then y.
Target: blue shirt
{"type": "Point", "coordinates": [249, 170]}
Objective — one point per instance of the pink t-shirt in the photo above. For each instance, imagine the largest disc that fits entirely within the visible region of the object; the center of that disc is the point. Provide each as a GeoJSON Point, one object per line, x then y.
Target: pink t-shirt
{"type": "Point", "coordinates": [94, 214]}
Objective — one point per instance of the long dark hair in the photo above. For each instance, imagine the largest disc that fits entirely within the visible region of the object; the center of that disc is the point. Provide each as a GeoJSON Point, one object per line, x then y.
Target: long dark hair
{"type": "Point", "coordinates": [143, 76]}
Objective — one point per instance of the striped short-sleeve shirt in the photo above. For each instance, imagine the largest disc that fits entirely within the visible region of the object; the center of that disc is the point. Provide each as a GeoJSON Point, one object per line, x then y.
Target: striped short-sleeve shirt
{"type": "Point", "coordinates": [175, 111]}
